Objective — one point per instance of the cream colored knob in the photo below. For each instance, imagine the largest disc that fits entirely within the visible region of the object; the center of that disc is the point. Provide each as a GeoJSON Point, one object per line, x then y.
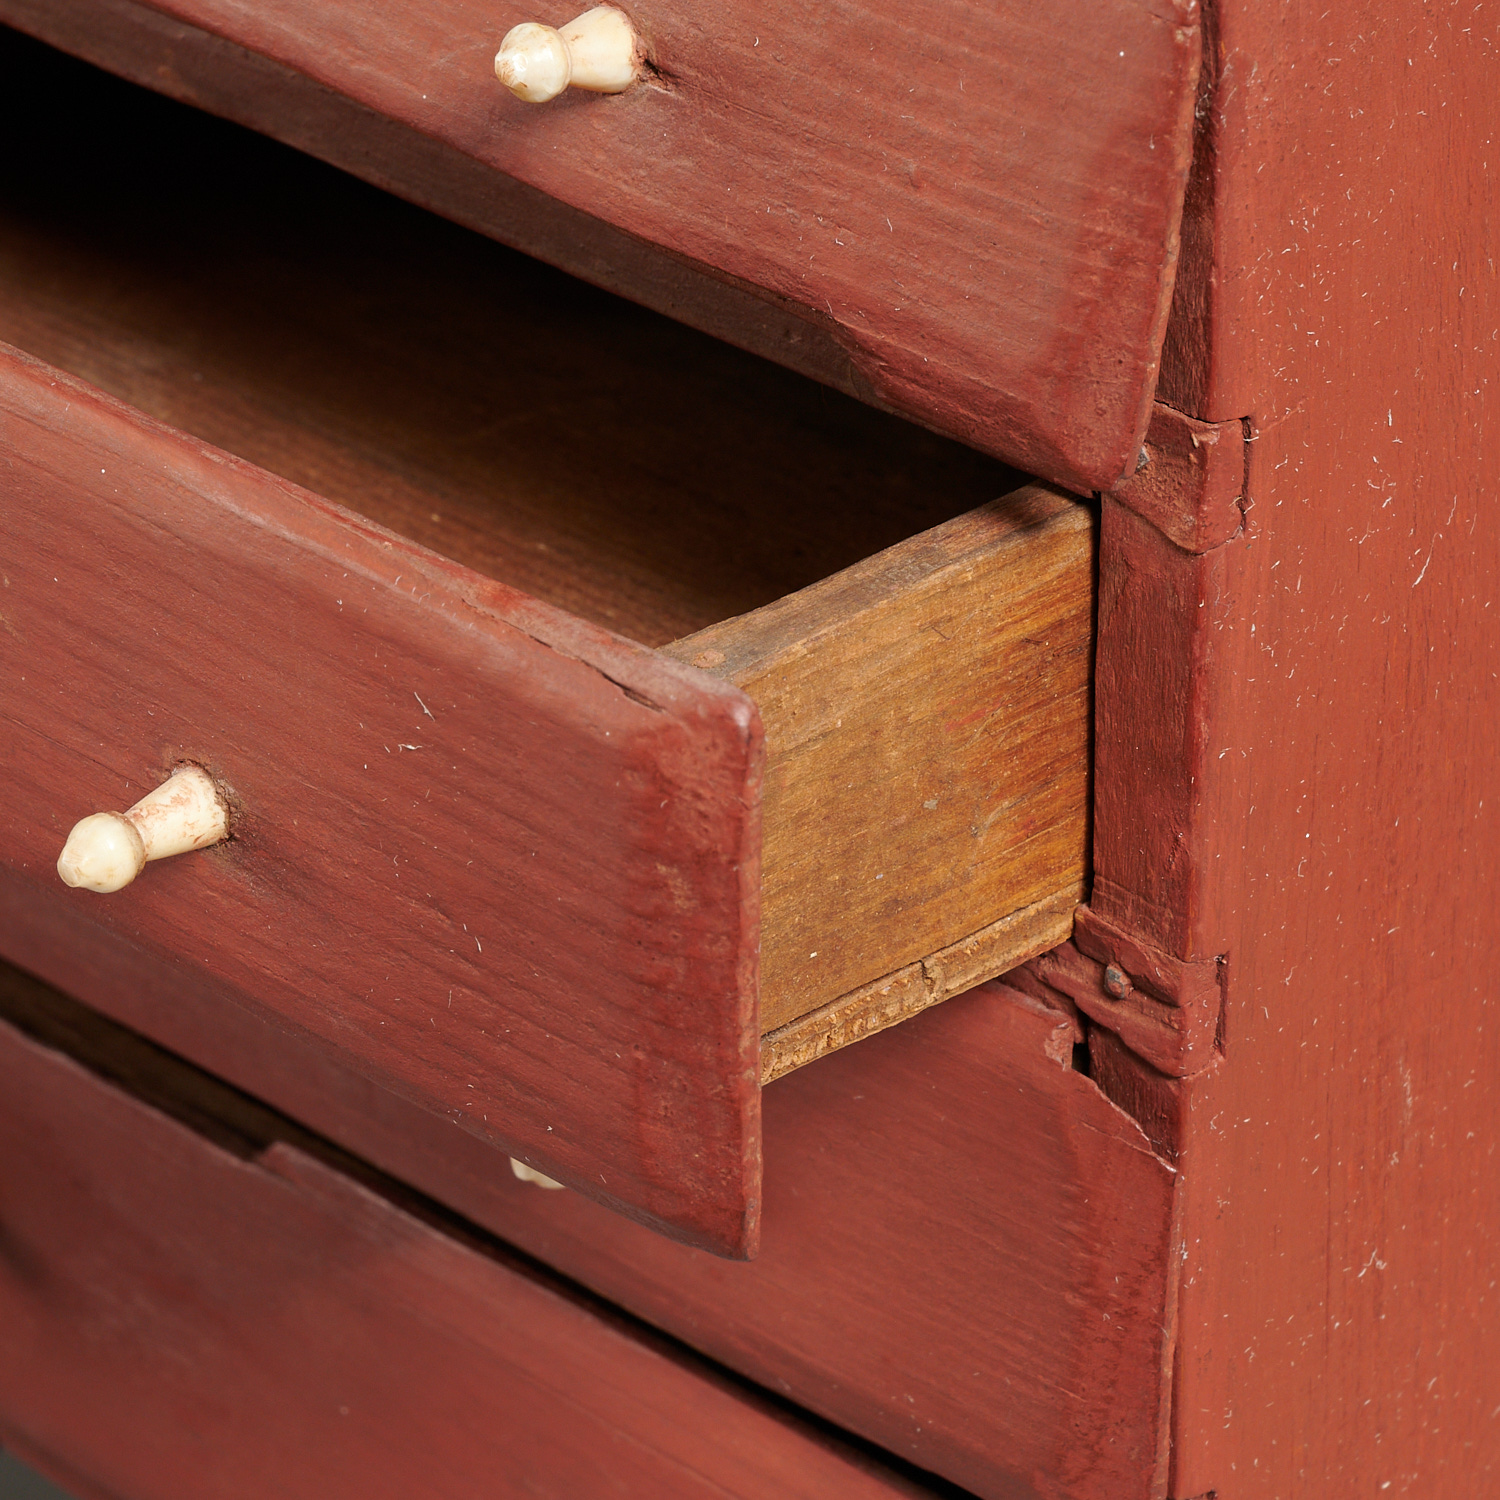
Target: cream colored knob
{"type": "Point", "coordinates": [599, 51]}
{"type": "Point", "coordinates": [530, 1174]}
{"type": "Point", "coordinates": [107, 850]}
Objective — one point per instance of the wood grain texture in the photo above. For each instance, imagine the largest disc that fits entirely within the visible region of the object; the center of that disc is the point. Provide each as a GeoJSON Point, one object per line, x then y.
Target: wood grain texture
{"type": "Point", "coordinates": [487, 856]}
{"type": "Point", "coordinates": [994, 949]}
{"type": "Point", "coordinates": [1175, 1038]}
{"type": "Point", "coordinates": [927, 744]}
{"type": "Point", "coordinates": [1155, 1100]}
{"type": "Point", "coordinates": [993, 258]}
{"type": "Point", "coordinates": [189, 64]}
{"type": "Point", "coordinates": [1193, 338]}
{"type": "Point", "coordinates": [966, 1255]}
{"type": "Point", "coordinates": [182, 1318]}
{"type": "Point", "coordinates": [127, 285]}
{"type": "Point", "coordinates": [1339, 1313]}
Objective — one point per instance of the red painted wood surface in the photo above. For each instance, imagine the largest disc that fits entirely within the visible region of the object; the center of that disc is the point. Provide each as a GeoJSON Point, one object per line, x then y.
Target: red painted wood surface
{"type": "Point", "coordinates": [966, 1256]}
{"type": "Point", "coordinates": [485, 856]}
{"type": "Point", "coordinates": [966, 1253]}
{"type": "Point", "coordinates": [1192, 487]}
{"type": "Point", "coordinates": [1339, 1316]}
{"type": "Point", "coordinates": [1338, 1329]}
{"type": "Point", "coordinates": [979, 204]}
{"type": "Point", "coordinates": [1166, 657]}
{"type": "Point", "coordinates": [215, 75]}
{"type": "Point", "coordinates": [179, 1321]}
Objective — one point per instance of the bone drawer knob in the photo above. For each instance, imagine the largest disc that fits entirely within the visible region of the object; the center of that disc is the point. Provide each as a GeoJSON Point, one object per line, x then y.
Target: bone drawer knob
{"type": "Point", "coordinates": [530, 1174]}
{"type": "Point", "coordinates": [107, 850]}
{"type": "Point", "coordinates": [598, 51]}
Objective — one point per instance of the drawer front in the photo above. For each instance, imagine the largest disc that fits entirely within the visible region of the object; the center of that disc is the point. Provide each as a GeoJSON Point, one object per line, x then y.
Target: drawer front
{"type": "Point", "coordinates": [182, 1319]}
{"type": "Point", "coordinates": [978, 205]}
{"type": "Point", "coordinates": [968, 1253]}
{"type": "Point", "coordinates": [485, 857]}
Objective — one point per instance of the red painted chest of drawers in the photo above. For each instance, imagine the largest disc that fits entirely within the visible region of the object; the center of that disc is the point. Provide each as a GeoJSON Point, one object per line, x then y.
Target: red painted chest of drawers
{"type": "Point", "coordinates": [1164, 1215]}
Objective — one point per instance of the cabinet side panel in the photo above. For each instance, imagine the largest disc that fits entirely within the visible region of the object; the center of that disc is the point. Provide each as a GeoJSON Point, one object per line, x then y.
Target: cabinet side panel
{"type": "Point", "coordinates": [1340, 1319]}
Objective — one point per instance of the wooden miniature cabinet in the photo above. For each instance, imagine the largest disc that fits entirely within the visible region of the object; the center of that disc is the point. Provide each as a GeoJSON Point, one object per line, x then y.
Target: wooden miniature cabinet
{"type": "Point", "coordinates": [1193, 1202]}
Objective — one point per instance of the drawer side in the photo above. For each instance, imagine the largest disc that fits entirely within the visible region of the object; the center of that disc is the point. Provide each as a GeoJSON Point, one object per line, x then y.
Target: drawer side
{"type": "Point", "coordinates": [927, 717]}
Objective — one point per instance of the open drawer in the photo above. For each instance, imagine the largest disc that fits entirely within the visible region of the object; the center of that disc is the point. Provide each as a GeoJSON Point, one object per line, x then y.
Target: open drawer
{"type": "Point", "coordinates": [576, 893]}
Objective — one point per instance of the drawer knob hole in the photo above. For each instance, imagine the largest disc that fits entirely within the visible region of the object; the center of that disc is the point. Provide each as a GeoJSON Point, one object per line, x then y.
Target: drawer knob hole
{"type": "Point", "coordinates": [598, 51]}
{"type": "Point", "coordinates": [107, 850]}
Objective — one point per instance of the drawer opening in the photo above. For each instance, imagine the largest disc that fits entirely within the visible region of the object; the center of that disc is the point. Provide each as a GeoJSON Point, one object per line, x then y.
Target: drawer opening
{"type": "Point", "coordinates": [572, 444]}
{"type": "Point", "coordinates": [911, 619]}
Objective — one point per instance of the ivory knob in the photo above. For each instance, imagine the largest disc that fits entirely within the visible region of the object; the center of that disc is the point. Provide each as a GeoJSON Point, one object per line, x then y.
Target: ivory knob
{"type": "Point", "coordinates": [530, 1174]}
{"type": "Point", "coordinates": [107, 850]}
{"type": "Point", "coordinates": [598, 51]}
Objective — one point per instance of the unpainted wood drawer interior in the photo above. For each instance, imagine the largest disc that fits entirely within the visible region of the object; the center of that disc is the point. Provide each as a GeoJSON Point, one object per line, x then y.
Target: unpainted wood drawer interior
{"type": "Point", "coordinates": [581, 448]}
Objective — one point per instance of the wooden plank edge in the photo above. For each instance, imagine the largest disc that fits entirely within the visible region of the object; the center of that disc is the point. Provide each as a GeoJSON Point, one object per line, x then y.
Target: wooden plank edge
{"type": "Point", "coordinates": [991, 951]}
{"type": "Point", "coordinates": [61, 1033]}
{"type": "Point", "coordinates": [746, 646]}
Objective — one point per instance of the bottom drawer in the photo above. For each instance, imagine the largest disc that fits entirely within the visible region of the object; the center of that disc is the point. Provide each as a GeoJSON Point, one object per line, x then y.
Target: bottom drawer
{"type": "Point", "coordinates": [199, 1313]}
{"type": "Point", "coordinates": [969, 1254]}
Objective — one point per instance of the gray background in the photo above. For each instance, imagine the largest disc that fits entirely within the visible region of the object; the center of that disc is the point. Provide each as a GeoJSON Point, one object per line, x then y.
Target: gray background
{"type": "Point", "coordinates": [17, 1482]}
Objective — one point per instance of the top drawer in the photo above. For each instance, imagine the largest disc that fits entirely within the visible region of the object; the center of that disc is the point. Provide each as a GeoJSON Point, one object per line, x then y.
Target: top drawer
{"type": "Point", "coordinates": [977, 204]}
{"type": "Point", "coordinates": [574, 893]}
